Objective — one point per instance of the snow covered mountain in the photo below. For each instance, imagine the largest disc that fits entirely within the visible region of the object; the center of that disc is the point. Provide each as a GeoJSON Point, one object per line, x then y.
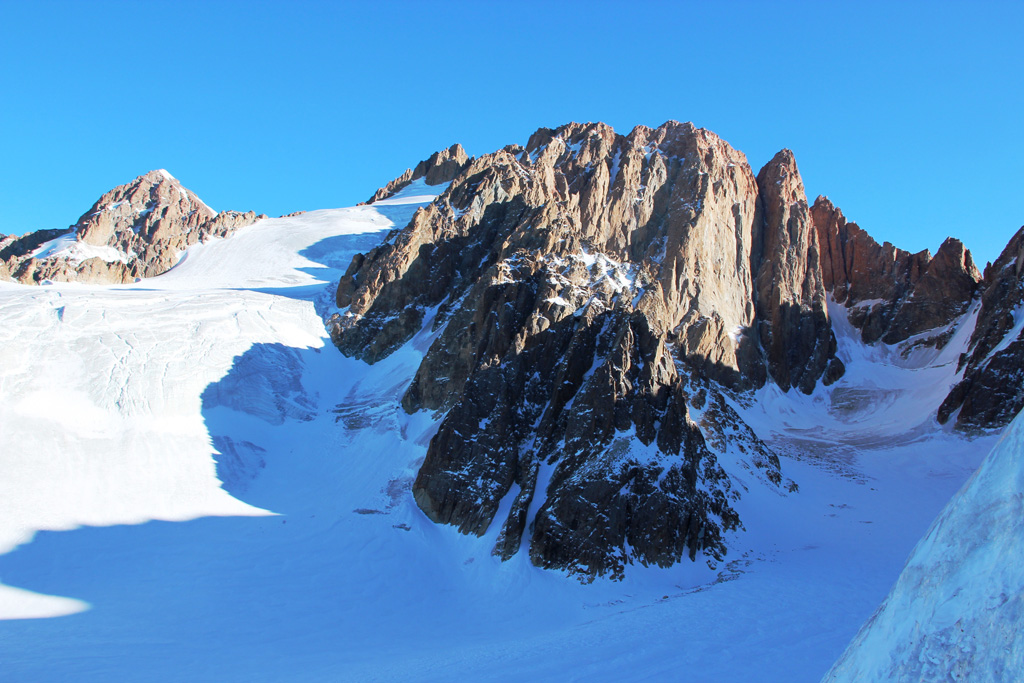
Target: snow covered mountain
{"type": "Point", "coordinates": [139, 229]}
{"type": "Point", "coordinates": [604, 306]}
{"type": "Point", "coordinates": [196, 484]}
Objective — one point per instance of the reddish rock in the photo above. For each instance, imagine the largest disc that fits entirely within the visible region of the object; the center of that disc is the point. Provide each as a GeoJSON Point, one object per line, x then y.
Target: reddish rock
{"type": "Point", "coordinates": [139, 229]}
{"type": "Point", "coordinates": [578, 284]}
{"type": "Point", "coordinates": [991, 391]}
{"type": "Point", "coordinates": [891, 294]}
{"type": "Point", "coordinates": [794, 328]}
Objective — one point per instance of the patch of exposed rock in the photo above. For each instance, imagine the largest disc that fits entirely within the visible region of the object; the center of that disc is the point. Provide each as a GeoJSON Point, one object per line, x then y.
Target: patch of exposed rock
{"type": "Point", "coordinates": [136, 230]}
{"type": "Point", "coordinates": [440, 168]}
{"type": "Point", "coordinates": [991, 391]}
{"type": "Point", "coordinates": [576, 287]}
{"type": "Point", "coordinates": [891, 294]}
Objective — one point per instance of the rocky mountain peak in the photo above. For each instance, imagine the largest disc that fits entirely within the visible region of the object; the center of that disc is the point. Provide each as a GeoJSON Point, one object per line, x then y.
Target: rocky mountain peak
{"type": "Point", "coordinates": [596, 300]}
{"type": "Point", "coordinates": [782, 172]}
{"type": "Point", "coordinates": [581, 287]}
{"type": "Point", "coordinates": [794, 328]}
{"type": "Point", "coordinates": [891, 294]}
{"type": "Point", "coordinates": [439, 168]}
{"type": "Point", "coordinates": [991, 391]}
{"type": "Point", "coordinates": [917, 300]}
{"type": "Point", "coordinates": [135, 230]}
{"type": "Point", "coordinates": [152, 204]}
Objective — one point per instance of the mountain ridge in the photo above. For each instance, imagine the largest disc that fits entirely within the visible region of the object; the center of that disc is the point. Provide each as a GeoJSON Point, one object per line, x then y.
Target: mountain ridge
{"type": "Point", "coordinates": [649, 275]}
{"type": "Point", "coordinates": [207, 393]}
{"type": "Point", "coordinates": [136, 230]}
{"type": "Point", "coordinates": [635, 270]}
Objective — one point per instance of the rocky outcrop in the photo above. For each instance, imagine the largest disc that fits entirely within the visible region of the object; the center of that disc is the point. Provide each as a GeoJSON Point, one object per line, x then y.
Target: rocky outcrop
{"type": "Point", "coordinates": [595, 297]}
{"type": "Point", "coordinates": [95, 270]}
{"type": "Point", "coordinates": [577, 287]}
{"type": "Point", "coordinates": [13, 247]}
{"type": "Point", "coordinates": [991, 391]}
{"type": "Point", "coordinates": [440, 168]}
{"type": "Point", "coordinates": [894, 296]}
{"type": "Point", "coordinates": [684, 218]}
{"type": "Point", "coordinates": [891, 294]}
{"type": "Point", "coordinates": [152, 207]}
{"type": "Point", "coordinates": [793, 324]}
{"type": "Point", "coordinates": [134, 231]}
{"type": "Point", "coordinates": [941, 296]}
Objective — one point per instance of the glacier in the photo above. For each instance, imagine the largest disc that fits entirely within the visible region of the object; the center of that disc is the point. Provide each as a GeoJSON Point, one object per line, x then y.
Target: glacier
{"type": "Point", "coordinates": [196, 484]}
{"type": "Point", "coordinates": [957, 610]}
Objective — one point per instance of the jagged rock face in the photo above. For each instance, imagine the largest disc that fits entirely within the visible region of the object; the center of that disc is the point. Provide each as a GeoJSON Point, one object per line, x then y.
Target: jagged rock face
{"type": "Point", "coordinates": [991, 391]}
{"type": "Point", "coordinates": [576, 286]}
{"type": "Point", "coordinates": [793, 320]}
{"type": "Point", "coordinates": [440, 168]}
{"type": "Point", "coordinates": [942, 295]}
{"type": "Point", "coordinates": [13, 248]}
{"type": "Point", "coordinates": [892, 294]}
{"type": "Point", "coordinates": [676, 205]}
{"type": "Point", "coordinates": [94, 270]}
{"type": "Point", "coordinates": [138, 228]}
{"type": "Point", "coordinates": [153, 206]}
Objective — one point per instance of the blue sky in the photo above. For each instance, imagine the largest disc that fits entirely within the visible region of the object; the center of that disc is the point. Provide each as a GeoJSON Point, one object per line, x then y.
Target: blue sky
{"type": "Point", "coordinates": [909, 116]}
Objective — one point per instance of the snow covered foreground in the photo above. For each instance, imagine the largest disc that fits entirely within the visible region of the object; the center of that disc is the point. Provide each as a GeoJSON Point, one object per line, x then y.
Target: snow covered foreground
{"type": "Point", "coordinates": [194, 485]}
{"type": "Point", "coordinates": [957, 611]}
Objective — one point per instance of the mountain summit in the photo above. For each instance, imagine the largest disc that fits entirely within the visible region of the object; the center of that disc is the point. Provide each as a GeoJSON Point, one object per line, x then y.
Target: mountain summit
{"type": "Point", "coordinates": [136, 230]}
{"type": "Point", "coordinates": [588, 354]}
{"type": "Point", "coordinates": [601, 305]}
{"type": "Point", "coordinates": [586, 289]}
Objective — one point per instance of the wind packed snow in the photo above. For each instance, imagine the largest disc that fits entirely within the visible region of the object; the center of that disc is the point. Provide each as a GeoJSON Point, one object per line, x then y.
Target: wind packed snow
{"type": "Point", "coordinates": [67, 246]}
{"type": "Point", "coordinates": [417, 192]}
{"type": "Point", "coordinates": [197, 486]}
{"type": "Point", "coordinates": [957, 611]}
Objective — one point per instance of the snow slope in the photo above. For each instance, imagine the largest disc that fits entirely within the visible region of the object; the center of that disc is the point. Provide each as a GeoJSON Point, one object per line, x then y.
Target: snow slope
{"type": "Point", "coordinates": [68, 246]}
{"type": "Point", "coordinates": [196, 486]}
{"type": "Point", "coordinates": [101, 386]}
{"type": "Point", "coordinates": [957, 611]}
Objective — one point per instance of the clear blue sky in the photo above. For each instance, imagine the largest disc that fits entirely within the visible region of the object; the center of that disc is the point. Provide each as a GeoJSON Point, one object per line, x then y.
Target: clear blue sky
{"type": "Point", "coordinates": [909, 116]}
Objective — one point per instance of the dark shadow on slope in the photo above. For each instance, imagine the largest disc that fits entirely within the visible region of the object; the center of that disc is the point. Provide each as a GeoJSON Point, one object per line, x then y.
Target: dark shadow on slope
{"type": "Point", "coordinates": [263, 390]}
{"type": "Point", "coordinates": [238, 598]}
{"type": "Point", "coordinates": [337, 252]}
{"type": "Point", "coordinates": [399, 214]}
{"type": "Point", "coordinates": [333, 256]}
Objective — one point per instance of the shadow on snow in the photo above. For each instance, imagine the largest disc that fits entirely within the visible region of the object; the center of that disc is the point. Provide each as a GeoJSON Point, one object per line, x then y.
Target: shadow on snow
{"type": "Point", "coordinates": [249, 598]}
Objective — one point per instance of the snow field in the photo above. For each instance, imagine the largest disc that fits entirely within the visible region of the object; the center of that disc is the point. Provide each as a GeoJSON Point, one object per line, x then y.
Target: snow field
{"type": "Point", "coordinates": [197, 486]}
{"type": "Point", "coordinates": [957, 609]}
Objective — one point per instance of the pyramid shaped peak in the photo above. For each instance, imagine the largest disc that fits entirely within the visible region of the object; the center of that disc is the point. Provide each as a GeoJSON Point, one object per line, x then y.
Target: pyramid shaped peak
{"type": "Point", "coordinates": [156, 176]}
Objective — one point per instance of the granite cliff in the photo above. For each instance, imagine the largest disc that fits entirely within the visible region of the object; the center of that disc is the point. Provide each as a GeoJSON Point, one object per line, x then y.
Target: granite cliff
{"type": "Point", "coordinates": [991, 391]}
{"type": "Point", "coordinates": [593, 295]}
{"type": "Point", "coordinates": [892, 294]}
{"type": "Point", "coordinates": [600, 302]}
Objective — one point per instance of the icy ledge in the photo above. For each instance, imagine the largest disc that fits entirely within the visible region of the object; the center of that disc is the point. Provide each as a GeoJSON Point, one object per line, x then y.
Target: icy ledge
{"type": "Point", "coordinates": [957, 610]}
